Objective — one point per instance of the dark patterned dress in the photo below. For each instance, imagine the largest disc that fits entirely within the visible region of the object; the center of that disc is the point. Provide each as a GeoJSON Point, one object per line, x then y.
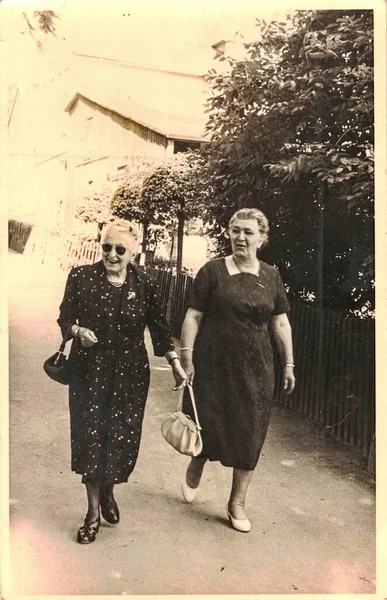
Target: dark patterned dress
{"type": "Point", "coordinates": [233, 358]}
{"type": "Point", "coordinates": [111, 379]}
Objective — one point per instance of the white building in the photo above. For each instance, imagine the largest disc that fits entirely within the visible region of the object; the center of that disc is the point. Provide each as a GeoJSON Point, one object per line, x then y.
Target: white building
{"type": "Point", "coordinates": [122, 111]}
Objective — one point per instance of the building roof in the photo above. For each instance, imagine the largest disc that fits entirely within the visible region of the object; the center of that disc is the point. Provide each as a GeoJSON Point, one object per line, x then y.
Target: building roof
{"type": "Point", "coordinates": [172, 127]}
{"type": "Point", "coordinates": [137, 66]}
{"type": "Point", "coordinates": [169, 103]}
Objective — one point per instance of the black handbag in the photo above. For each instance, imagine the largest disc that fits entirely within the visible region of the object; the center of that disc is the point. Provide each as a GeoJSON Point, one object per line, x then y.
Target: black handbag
{"type": "Point", "coordinates": [57, 366]}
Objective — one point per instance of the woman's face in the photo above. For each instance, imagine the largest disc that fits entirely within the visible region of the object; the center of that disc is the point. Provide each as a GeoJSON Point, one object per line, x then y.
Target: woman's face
{"type": "Point", "coordinates": [117, 250]}
{"type": "Point", "coordinates": [245, 238]}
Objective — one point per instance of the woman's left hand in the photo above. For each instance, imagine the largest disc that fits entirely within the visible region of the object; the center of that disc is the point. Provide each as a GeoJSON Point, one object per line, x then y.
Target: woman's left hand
{"type": "Point", "coordinates": [179, 375]}
{"type": "Point", "coordinates": [289, 381]}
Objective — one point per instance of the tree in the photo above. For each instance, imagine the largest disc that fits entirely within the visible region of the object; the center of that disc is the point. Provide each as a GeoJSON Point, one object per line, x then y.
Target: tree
{"type": "Point", "coordinates": [119, 197]}
{"type": "Point", "coordinates": [292, 133]}
{"type": "Point", "coordinates": [170, 195]}
{"type": "Point", "coordinates": [126, 204]}
{"type": "Point", "coordinates": [94, 207]}
{"type": "Point", "coordinates": [164, 201]}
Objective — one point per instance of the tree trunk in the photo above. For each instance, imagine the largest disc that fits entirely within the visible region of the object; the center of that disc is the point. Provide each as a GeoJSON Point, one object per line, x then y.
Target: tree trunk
{"type": "Point", "coordinates": [180, 234]}
{"type": "Point", "coordinates": [100, 226]}
{"type": "Point", "coordinates": [172, 247]}
{"type": "Point", "coordinates": [320, 415]}
{"type": "Point", "coordinates": [144, 242]}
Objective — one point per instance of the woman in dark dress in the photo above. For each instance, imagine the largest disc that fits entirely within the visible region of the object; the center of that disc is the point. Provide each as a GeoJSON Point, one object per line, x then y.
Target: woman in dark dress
{"type": "Point", "coordinates": [227, 355]}
{"type": "Point", "coordinates": [106, 307]}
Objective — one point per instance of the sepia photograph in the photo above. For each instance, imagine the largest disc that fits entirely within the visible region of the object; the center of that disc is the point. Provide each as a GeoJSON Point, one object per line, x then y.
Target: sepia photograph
{"type": "Point", "coordinates": [194, 203]}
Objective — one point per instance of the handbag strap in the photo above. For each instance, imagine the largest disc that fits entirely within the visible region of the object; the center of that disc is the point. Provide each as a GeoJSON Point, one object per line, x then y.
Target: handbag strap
{"type": "Point", "coordinates": [62, 346]}
{"type": "Point", "coordinates": [192, 396]}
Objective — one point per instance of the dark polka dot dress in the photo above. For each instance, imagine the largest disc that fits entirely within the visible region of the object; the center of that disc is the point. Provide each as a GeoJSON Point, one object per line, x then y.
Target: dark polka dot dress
{"type": "Point", "coordinates": [111, 379]}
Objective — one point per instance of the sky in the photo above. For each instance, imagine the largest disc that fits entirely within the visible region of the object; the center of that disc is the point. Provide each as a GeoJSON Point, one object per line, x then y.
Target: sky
{"type": "Point", "coordinates": [174, 35]}
{"type": "Point", "coordinates": [165, 34]}
{"type": "Point", "coordinates": [170, 34]}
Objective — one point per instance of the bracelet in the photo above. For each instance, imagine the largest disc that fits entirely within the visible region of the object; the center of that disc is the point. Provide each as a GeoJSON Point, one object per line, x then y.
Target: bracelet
{"type": "Point", "coordinates": [75, 333]}
{"type": "Point", "coordinates": [173, 358]}
{"type": "Point", "coordinates": [181, 349]}
{"type": "Point", "coordinates": [289, 365]}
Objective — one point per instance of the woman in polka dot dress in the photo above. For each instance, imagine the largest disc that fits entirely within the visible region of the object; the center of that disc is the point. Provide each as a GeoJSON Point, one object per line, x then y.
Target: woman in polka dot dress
{"type": "Point", "coordinates": [105, 308]}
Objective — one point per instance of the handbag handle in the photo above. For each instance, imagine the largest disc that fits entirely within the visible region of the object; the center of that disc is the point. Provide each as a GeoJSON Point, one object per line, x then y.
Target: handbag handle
{"type": "Point", "coordinates": [60, 351]}
{"type": "Point", "coordinates": [190, 389]}
{"type": "Point", "coordinates": [62, 346]}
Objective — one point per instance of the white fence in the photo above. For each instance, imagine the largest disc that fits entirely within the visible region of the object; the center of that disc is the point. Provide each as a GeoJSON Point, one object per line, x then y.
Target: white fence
{"type": "Point", "coordinates": [60, 248]}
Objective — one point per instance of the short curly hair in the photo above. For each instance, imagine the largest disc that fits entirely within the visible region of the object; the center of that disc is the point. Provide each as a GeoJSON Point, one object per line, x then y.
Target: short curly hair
{"type": "Point", "coordinates": [123, 226]}
{"type": "Point", "coordinates": [253, 213]}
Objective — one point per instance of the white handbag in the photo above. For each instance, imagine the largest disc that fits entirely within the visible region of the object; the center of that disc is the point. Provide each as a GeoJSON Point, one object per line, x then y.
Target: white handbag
{"type": "Point", "coordinates": [181, 432]}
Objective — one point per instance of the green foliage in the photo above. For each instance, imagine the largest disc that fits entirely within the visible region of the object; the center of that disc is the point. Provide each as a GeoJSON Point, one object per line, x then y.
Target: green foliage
{"type": "Point", "coordinates": [94, 207]}
{"type": "Point", "coordinates": [168, 264]}
{"type": "Point", "coordinates": [170, 193]}
{"type": "Point", "coordinates": [164, 201]}
{"type": "Point", "coordinates": [139, 167]}
{"type": "Point", "coordinates": [125, 203]}
{"type": "Point", "coordinates": [104, 203]}
{"type": "Point", "coordinates": [292, 134]}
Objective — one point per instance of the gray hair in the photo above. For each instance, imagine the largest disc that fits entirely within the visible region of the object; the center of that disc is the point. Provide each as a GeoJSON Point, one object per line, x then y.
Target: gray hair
{"type": "Point", "coordinates": [122, 226]}
{"type": "Point", "coordinates": [254, 214]}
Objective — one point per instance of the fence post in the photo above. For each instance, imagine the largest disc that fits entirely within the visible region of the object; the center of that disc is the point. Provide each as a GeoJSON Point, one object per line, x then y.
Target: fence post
{"type": "Point", "coordinates": [171, 293]}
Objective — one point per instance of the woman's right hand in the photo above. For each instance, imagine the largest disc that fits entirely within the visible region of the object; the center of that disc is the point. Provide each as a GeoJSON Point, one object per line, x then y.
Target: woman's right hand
{"type": "Point", "coordinates": [188, 335]}
{"type": "Point", "coordinates": [188, 366]}
{"type": "Point", "coordinates": [86, 337]}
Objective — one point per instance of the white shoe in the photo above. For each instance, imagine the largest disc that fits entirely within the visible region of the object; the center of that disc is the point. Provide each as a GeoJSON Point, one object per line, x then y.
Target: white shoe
{"type": "Point", "coordinates": [243, 525]}
{"type": "Point", "coordinates": [189, 494]}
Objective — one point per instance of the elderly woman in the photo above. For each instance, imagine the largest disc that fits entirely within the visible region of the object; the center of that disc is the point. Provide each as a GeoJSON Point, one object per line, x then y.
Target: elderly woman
{"type": "Point", "coordinates": [105, 308]}
{"type": "Point", "coordinates": [227, 355]}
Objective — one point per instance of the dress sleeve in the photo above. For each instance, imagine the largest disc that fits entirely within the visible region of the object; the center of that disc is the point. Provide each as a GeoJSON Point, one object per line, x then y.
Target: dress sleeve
{"type": "Point", "coordinates": [157, 322]}
{"type": "Point", "coordinates": [68, 310]}
{"type": "Point", "coordinates": [281, 304]}
{"type": "Point", "coordinates": [201, 290]}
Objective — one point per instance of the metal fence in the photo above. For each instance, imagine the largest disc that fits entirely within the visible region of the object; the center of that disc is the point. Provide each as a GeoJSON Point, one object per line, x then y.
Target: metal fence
{"type": "Point", "coordinates": [175, 290]}
{"type": "Point", "coordinates": [335, 364]}
{"type": "Point", "coordinates": [164, 278]}
{"type": "Point", "coordinates": [180, 296]}
{"type": "Point", "coordinates": [335, 358]}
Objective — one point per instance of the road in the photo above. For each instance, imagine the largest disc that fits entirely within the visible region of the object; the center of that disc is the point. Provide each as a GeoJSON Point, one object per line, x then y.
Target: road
{"type": "Point", "coordinates": [311, 501]}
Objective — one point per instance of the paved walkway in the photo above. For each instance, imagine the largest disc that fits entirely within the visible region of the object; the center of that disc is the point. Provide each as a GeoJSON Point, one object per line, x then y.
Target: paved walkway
{"type": "Point", "coordinates": [311, 501]}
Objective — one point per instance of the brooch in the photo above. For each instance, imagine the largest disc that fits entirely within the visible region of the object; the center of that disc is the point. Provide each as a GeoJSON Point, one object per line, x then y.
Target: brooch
{"type": "Point", "coordinates": [131, 295]}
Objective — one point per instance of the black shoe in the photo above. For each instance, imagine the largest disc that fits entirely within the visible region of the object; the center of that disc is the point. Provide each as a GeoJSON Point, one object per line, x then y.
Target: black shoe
{"type": "Point", "coordinates": [109, 509]}
{"type": "Point", "coordinates": [88, 531]}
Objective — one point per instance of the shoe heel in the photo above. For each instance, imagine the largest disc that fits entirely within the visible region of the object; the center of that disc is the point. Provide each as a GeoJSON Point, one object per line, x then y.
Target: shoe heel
{"type": "Point", "coordinates": [189, 494]}
{"type": "Point", "coordinates": [242, 525]}
{"type": "Point", "coordinates": [88, 532]}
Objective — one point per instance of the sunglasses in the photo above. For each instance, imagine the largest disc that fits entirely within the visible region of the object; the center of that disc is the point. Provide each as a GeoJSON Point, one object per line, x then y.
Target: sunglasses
{"type": "Point", "coordinates": [120, 250]}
